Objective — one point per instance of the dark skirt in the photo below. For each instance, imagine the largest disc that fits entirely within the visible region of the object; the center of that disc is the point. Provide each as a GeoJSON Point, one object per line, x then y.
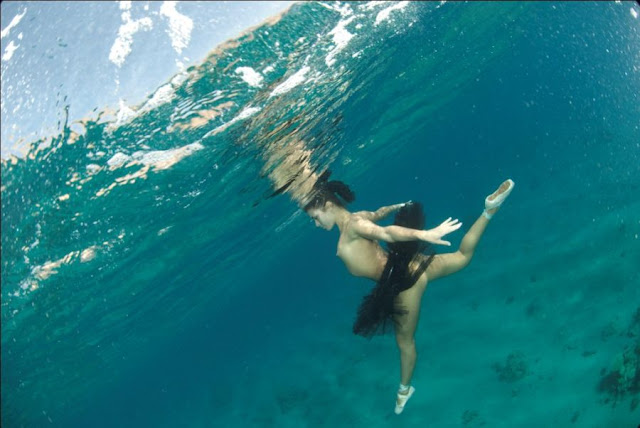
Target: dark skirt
{"type": "Point", "coordinates": [378, 311]}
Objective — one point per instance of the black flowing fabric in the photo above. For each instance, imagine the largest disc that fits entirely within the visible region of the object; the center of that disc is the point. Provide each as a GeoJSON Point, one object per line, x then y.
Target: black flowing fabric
{"type": "Point", "coordinates": [378, 310]}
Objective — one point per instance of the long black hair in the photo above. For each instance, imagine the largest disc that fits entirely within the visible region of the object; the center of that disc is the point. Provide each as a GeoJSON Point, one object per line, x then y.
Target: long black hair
{"type": "Point", "coordinates": [333, 191]}
{"type": "Point", "coordinates": [379, 310]}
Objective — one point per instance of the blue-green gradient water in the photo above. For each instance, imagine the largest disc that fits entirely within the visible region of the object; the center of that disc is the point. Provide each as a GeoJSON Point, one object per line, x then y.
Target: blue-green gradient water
{"type": "Point", "coordinates": [148, 279]}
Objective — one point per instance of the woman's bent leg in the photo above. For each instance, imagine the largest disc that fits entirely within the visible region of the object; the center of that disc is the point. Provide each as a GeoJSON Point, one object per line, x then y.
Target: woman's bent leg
{"type": "Point", "coordinates": [446, 264]}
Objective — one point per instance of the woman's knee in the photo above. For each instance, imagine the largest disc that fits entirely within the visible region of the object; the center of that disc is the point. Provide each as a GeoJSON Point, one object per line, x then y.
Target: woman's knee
{"type": "Point", "coordinates": [461, 260]}
{"type": "Point", "coordinates": [406, 342]}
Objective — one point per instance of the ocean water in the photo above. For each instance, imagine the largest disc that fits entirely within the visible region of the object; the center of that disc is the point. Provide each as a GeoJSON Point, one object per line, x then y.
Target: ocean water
{"type": "Point", "coordinates": [150, 276]}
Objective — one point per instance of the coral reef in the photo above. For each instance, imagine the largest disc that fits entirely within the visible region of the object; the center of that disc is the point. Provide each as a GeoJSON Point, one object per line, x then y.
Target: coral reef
{"type": "Point", "coordinates": [608, 331]}
{"type": "Point", "coordinates": [514, 368]}
{"type": "Point", "coordinates": [575, 417]}
{"type": "Point", "coordinates": [291, 398]}
{"type": "Point", "coordinates": [623, 378]}
{"type": "Point", "coordinates": [471, 418]}
{"type": "Point", "coordinates": [634, 325]}
{"type": "Point", "coordinates": [534, 309]}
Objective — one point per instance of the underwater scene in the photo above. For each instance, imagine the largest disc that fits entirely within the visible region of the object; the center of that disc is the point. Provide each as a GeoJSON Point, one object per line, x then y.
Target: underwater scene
{"type": "Point", "coordinates": [158, 269]}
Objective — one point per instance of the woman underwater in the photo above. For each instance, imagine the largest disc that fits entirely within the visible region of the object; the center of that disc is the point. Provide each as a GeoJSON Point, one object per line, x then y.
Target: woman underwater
{"type": "Point", "coordinates": [401, 272]}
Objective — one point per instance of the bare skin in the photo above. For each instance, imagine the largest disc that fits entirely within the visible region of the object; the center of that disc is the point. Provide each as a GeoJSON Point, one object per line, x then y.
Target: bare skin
{"type": "Point", "coordinates": [288, 166]}
{"type": "Point", "coordinates": [359, 249]}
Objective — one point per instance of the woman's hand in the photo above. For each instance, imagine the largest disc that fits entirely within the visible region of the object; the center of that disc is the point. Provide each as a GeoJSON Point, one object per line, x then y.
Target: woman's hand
{"type": "Point", "coordinates": [435, 235]}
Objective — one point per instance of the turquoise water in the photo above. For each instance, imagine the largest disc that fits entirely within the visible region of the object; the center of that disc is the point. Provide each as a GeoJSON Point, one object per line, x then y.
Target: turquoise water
{"type": "Point", "coordinates": [149, 279]}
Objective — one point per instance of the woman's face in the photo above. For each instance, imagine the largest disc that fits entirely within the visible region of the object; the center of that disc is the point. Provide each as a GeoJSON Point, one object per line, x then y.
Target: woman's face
{"type": "Point", "coordinates": [322, 218]}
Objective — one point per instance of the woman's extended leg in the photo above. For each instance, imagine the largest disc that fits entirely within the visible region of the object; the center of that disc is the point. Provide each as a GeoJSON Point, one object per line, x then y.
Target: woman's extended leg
{"type": "Point", "coordinates": [446, 264]}
{"type": "Point", "coordinates": [405, 329]}
{"type": "Point", "coordinates": [442, 265]}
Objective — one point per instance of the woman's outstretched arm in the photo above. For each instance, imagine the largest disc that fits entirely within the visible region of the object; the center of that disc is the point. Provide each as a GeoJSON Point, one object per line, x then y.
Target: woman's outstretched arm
{"type": "Point", "coordinates": [381, 213]}
{"type": "Point", "coordinates": [369, 230]}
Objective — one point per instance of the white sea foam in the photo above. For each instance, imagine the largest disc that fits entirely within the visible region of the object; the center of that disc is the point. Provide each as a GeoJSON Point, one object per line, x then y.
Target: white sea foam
{"type": "Point", "coordinates": [118, 160]}
{"type": "Point", "coordinates": [372, 4]}
{"type": "Point", "coordinates": [341, 39]}
{"type": "Point", "coordinates": [296, 79]}
{"type": "Point", "coordinates": [15, 21]}
{"type": "Point", "coordinates": [634, 12]}
{"type": "Point", "coordinates": [12, 47]}
{"type": "Point", "coordinates": [249, 75]}
{"type": "Point", "coordinates": [9, 50]}
{"type": "Point", "coordinates": [245, 113]}
{"type": "Point", "coordinates": [156, 159]}
{"type": "Point", "coordinates": [250, 111]}
{"type": "Point", "coordinates": [383, 15]}
{"type": "Point", "coordinates": [180, 26]}
{"type": "Point", "coordinates": [163, 94]}
{"type": "Point", "coordinates": [160, 159]}
{"type": "Point", "coordinates": [163, 159]}
{"type": "Point", "coordinates": [121, 47]}
{"type": "Point", "coordinates": [343, 10]}
{"type": "Point", "coordinates": [93, 169]}
{"type": "Point", "coordinates": [179, 79]}
{"type": "Point", "coordinates": [124, 115]}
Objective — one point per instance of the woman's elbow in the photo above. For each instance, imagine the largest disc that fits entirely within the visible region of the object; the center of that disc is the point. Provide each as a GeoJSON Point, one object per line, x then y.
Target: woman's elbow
{"type": "Point", "coordinates": [388, 237]}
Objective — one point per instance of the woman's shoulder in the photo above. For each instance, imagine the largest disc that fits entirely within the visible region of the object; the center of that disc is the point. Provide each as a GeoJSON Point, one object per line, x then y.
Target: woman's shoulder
{"type": "Point", "coordinates": [359, 223]}
{"type": "Point", "coordinates": [362, 215]}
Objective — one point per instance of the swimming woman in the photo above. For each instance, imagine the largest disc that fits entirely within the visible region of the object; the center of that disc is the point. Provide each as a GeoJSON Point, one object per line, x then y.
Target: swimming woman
{"type": "Point", "coordinates": [403, 270]}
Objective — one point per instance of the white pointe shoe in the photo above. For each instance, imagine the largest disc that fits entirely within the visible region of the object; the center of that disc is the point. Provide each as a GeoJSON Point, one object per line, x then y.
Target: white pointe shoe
{"type": "Point", "coordinates": [402, 399]}
{"type": "Point", "coordinates": [496, 199]}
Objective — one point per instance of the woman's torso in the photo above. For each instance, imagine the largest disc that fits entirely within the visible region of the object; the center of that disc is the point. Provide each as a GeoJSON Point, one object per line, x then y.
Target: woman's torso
{"type": "Point", "coordinates": [362, 257]}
